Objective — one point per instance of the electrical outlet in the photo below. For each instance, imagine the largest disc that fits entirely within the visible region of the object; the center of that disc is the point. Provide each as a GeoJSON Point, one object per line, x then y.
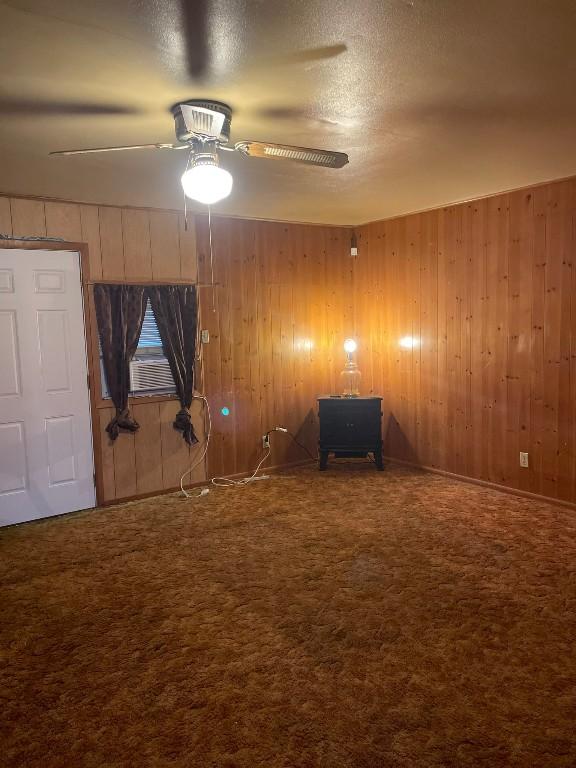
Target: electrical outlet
{"type": "Point", "coordinates": [523, 459]}
{"type": "Point", "coordinates": [265, 442]}
{"type": "Point", "coordinates": [205, 337]}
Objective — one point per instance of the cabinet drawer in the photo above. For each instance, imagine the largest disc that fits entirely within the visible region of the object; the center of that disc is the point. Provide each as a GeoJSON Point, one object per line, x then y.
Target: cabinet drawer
{"type": "Point", "coordinates": [350, 422]}
{"type": "Point", "coordinates": [329, 407]}
{"type": "Point", "coordinates": [351, 431]}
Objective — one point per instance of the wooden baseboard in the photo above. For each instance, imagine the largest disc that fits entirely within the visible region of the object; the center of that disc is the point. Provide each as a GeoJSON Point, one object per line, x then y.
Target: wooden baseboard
{"type": "Point", "coordinates": [274, 470]}
{"type": "Point", "coordinates": [485, 483]}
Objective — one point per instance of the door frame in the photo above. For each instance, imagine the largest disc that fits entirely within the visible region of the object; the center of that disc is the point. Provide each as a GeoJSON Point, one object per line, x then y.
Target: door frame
{"type": "Point", "coordinates": [90, 336]}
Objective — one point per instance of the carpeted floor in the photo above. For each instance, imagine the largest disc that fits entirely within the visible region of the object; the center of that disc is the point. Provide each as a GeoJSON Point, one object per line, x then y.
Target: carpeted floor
{"type": "Point", "coordinates": [349, 619]}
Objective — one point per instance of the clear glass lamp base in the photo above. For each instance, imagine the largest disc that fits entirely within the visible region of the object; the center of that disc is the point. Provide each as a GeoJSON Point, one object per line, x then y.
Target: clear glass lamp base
{"type": "Point", "coordinates": [350, 380]}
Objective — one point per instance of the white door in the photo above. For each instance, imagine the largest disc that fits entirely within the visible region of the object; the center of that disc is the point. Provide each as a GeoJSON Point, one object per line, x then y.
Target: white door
{"type": "Point", "coordinates": [46, 460]}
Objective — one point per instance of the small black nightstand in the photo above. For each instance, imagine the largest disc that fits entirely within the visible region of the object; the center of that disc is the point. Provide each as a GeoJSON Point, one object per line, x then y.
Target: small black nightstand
{"type": "Point", "coordinates": [350, 426]}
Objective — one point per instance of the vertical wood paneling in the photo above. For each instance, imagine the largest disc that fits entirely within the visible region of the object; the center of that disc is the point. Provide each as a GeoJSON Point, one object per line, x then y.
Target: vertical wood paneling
{"type": "Point", "coordinates": [485, 289]}
{"type": "Point", "coordinates": [125, 465]}
{"type": "Point", "coordinates": [148, 448]}
{"type": "Point", "coordinates": [165, 245]}
{"type": "Point", "coordinates": [187, 247]}
{"type": "Point", "coordinates": [246, 380]}
{"type": "Point", "coordinates": [28, 217]}
{"type": "Point", "coordinates": [225, 428]}
{"type": "Point", "coordinates": [284, 307]}
{"type": "Point", "coordinates": [537, 415]}
{"type": "Point", "coordinates": [196, 455]}
{"type": "Point", "coordinates": [63, 220]}
{"type": "Point", "coordinates": [428, 342]}
{"type": "Point", "coordinates": [111, 243]}
{"type": "Point", "coordinates": [519, 333]}
{"type": "Point", "coordinates": [176, 455]}
{"type": "Point", "coordinates": [493, 284]}
{"type": "Point", "coordinates": [566, 410]}
{"type": "Point", "coordinates": [476, 446]}
{"type": "Point", "coordinates": [5, 216]}
{"type": "Point", "coordinates": [90, 223]}
{"type": "Point", "coordinates": [136, 239]}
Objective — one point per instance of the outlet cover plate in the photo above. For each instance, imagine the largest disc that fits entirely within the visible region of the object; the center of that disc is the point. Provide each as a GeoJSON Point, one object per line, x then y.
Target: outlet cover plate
{"type": "Point", "coordinates": [523, 459]}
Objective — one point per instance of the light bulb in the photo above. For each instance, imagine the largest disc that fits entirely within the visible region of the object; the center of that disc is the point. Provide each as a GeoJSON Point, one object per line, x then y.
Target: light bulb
{"type": "Point", "coordinates": [207, 183]}
{"type": "Point", "coordinates": [350, 346]}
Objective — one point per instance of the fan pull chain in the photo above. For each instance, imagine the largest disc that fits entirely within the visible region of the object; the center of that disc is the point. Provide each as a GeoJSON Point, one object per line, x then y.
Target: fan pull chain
{"type": "Point", "coordinates": [211, 258]}
{"type": "Point", "coordinates": [185, 197]}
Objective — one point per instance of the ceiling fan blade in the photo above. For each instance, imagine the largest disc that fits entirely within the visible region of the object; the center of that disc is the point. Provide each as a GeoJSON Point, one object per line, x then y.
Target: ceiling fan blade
{"type": "Point", "coordinates": [195, 19]}
{"type": "Point", "coordinates": [119, 149]}
{"type": "Point", "coordinates": [306, 155]}
{"type": "Point", "coordinates": [36, 108]}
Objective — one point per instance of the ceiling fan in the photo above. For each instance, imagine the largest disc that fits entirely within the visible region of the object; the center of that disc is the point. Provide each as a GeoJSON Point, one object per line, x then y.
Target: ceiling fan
{"type": "Point", "coordinates": [203, 128]}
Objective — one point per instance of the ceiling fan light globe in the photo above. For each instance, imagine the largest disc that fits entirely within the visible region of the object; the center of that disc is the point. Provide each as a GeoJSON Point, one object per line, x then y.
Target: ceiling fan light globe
{"type": "Point", "coordinates": [207, 184]}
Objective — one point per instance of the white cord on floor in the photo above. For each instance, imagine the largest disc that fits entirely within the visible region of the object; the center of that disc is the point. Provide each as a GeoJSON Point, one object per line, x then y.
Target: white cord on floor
{"type": "Point", "coordinates": [226, 482]}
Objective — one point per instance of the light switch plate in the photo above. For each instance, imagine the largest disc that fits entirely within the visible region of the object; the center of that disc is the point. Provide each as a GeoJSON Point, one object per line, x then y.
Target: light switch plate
{"type": "Point", "coordinates": [205, 337]}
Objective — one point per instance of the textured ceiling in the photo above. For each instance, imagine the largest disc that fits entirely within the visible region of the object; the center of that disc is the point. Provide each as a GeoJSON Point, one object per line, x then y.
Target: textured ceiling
{"type": "Point", "coordinates": [434, 100]}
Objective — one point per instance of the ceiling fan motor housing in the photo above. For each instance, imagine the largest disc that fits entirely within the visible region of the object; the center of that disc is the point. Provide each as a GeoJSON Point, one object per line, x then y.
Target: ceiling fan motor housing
{"type": "Point", "coordinates": [199, 118]}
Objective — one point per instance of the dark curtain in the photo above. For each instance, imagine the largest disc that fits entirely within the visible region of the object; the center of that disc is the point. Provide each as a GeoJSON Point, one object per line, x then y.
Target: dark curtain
{"type": "Point", "coordinates": [175, 310]}
{"type": "Point", "coordinates": [120, 314]}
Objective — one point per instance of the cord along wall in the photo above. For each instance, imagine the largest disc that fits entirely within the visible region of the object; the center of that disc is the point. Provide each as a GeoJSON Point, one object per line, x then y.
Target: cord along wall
{"type": "Point", "coordinates": [282, 307]}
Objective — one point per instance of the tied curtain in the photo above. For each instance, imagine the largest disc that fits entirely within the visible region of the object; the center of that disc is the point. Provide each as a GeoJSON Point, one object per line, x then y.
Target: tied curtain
{"type": "Point", "coordinates": [175, 310]}
{"type": "Point", "coordinates": [120, 314]}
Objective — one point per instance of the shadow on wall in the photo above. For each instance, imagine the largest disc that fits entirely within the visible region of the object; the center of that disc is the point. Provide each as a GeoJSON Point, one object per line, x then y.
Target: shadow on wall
{"type": "Point", "coordinates": [396, 444]}
{"type": "Point", "coordinates": [307, 435]}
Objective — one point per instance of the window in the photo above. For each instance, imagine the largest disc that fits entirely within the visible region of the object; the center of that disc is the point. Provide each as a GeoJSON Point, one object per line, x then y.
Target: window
{"type": "Point", "coordinates": [149, 370]}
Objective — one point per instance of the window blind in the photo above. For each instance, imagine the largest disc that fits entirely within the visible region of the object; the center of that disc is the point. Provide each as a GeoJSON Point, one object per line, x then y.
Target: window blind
{"type": "Point", "coordinates": [149, 370]}
{"type": "Point", "coordinates": [149, 337]}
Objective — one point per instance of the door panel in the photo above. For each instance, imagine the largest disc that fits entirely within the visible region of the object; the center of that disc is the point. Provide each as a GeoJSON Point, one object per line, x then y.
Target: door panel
{"type": "Point", "coordinates": [60, 449]}
{"type": "Point", "coordinates": [10, 367]}
{"type": "Point", "coordinates": [49, 282]}
{"type": "Point", "coordinates": [6, 281]}
{"type": "Point", "coordinates": [13, 469]}
{"type": "Point", "coordinates": [46, 459]}
{"type": "Point", "coordinates": [53, 350]}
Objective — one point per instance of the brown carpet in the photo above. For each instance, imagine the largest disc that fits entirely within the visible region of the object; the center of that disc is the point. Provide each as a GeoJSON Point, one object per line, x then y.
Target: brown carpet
{"type": "Point", "coordinates": [350, 619]}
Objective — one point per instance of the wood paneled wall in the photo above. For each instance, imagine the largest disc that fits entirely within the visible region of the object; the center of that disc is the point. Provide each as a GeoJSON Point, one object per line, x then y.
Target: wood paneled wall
{"type": "Point", "coordinates": [283, 306]}
{"type": "Point", "coordinates": [124, 244]}
{"type": "Point", "coordinates": [487, 290]}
